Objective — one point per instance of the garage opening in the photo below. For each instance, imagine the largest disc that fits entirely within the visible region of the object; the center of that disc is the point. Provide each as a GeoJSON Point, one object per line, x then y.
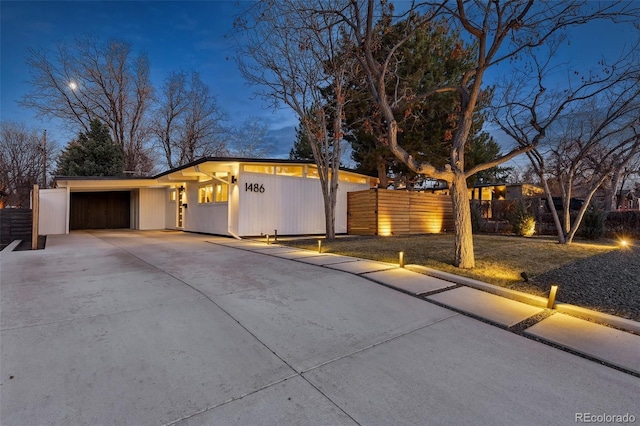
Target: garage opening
{"type": "Point", "coordinates": [100, 210]}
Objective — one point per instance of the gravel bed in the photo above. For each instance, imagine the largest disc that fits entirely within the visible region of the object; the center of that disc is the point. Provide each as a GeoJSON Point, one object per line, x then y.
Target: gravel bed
{"type": "Point", "coordinates": [608, 283]}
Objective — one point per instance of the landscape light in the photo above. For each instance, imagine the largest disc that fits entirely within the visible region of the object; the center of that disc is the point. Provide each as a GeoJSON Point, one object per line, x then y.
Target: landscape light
{"type": "Point", "coordinates": [319, 246]}
{"type": "Point", "coordinates": [624, 243]}
{"type": "Point", "coordinates": [401, 255]}
{"type": "Point", "coordinates": [268, 242]}
{"type": "Point", "coordinates": [552, 297]}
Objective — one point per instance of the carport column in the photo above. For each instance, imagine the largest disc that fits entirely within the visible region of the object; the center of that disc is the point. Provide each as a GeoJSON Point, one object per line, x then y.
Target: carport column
{"type": "Point", "coordinates": [35, 216]}
{"type": "Point", "coordinates": [67, 213]}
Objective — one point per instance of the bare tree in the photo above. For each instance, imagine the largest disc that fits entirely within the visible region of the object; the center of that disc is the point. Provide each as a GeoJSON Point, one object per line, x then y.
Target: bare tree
{"type": "Point", "coordinates": [294, 54]}
{"type": "Point", "coordinates": [188, 123]}
{"type": "Point", "coordinates": [589, 125]}
{"type": "Point", "coordinates": [500, 32]}
{"type": "Point", "coordinates": [23, 159]}
{"type": "Point", "coordinates": [250, 140]}
{"type": "Point", "coordinates": [90, 79]}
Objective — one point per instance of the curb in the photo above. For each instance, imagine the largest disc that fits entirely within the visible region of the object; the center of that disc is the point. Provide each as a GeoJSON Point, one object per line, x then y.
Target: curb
{"type": "Point", "coordinates": [588, 314]}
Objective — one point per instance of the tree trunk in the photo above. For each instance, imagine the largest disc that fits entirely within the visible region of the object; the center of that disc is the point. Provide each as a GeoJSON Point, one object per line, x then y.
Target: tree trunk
{"type": "Point", "coordinates": [464, 256]}
{"type": "Point", "coordinates": [382, 172]}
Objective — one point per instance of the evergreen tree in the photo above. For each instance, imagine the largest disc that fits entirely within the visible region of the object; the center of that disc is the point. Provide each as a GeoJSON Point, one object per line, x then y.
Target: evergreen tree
{"type": "Point", "coordinates": [301, 149]}
{"type": "Point", "coordinates": [432, 57]}
{"type": "Point", "coordinates": [92, 154]}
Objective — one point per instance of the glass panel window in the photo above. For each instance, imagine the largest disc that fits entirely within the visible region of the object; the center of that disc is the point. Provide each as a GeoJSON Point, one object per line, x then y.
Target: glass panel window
{"type": "Point", "coordinates": [289, 171]}
{"type": "Point", "coordinates": [258, 168]}
{"type": "Point", "coordinates": [205, 194]}
{"type": "Point", "coordinates": [221, 193]}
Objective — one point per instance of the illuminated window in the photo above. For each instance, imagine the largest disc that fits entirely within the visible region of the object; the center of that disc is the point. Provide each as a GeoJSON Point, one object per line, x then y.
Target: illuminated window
{"type": "Point", "coordinates": [289, 171]}
{"type": "Point", "coordinates": [213, 193]}
{"type": "Point", "coordinates": [259, 168]}
{"type": "Point", "coordinates": [173, 195]}
{"type": "Point", "coordinates": [343, 177]}
{"type": "Point", "coordinates": [221, 193]}
{"type": "Point", "coordinates": [205, 194]}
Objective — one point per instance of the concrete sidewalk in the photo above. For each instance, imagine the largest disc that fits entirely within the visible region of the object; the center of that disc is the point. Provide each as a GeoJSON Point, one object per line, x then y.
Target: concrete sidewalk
{"type": "Point", "coordinates": [163, 327]}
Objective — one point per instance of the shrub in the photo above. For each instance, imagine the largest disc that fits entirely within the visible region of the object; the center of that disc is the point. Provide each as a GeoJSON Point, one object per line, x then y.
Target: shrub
{"type": "Point", "coordinates": [476, 217]}
{"type": "Point", "coordinates": [593, 224]}
{"type": "Point", "coordinates": [523, 222]}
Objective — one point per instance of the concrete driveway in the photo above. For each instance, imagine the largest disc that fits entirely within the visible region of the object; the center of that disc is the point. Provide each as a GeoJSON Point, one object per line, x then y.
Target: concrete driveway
{"type": "Point", "coordinates": [141, 328]}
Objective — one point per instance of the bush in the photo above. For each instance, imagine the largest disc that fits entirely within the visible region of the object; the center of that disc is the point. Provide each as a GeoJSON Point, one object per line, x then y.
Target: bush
{"type": "Point", "coordinates": [523, 222]}
{"type": "Point", "coordinates": [476, 218]}
{"type": "Point", "coordinates": [623, 223]}
{"type": "Point", "coordinates": [593, 224]}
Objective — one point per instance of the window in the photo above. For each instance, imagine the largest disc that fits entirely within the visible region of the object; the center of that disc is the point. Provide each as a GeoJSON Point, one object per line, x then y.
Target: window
{"type": "Point", "coordinates": [257, 168]}
{"type": "Point", "coordinates": [213, 193]}
{"type": "Point", "coordinates": [289, 171]}
{"type": "Point", "coordinates": [205, 194]}
{"type": "Point", "coordinates": [221, 193]}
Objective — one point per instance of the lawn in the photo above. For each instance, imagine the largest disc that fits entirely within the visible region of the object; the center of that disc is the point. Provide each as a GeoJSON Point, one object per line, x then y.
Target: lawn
{"type": "Point", "coordinates": [499, 259]}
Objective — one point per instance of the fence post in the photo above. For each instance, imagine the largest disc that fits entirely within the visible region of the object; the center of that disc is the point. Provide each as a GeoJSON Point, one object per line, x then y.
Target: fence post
{"type": "Point", "coordinates": [35, 209]}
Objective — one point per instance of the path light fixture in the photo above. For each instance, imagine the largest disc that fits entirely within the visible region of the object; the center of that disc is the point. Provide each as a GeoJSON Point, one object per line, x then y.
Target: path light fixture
{"type": "Point", "coordinates": [624, 243]}
{"type": "Point", "coordinates": [552, 297]}
{"type": "Point", "coordinates": [268, 241]}
{"type": "Point", "coordinates": [401, 259]}
{"type": "Point", "coordinates": [319, 246]}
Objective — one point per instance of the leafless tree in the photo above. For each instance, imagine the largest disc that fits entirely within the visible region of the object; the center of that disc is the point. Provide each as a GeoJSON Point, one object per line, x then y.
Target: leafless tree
{"type": "Point", "coordinates": [90, 79]}
{"type": "Point", "coordinates": [250, 140]}
{"type": "Point", "coordinates": [590, 128]}
{"type": "Point", "coordinates": [500, 32]}
{"type": "Point", "coordinates": [22, 162]}
{"type": "Point", "coordinates": [188, 123]}
{"type": "Point", "coordinates": [293, 54]}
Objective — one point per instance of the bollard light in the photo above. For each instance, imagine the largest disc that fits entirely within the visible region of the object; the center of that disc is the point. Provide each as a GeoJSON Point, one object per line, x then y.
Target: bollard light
{"type": "Point", "coordinates": [319, 246]}
{"type": "Point", "coordinates": [401, 256]}
{"type": "Point", "coordinates": [268, 242]}
{"type": "Point", "coordinates": [552, 297]}
{"type": "Point", "coordinates": [275, 235]}
{"type": "Point", "coordinates": [624, 243]}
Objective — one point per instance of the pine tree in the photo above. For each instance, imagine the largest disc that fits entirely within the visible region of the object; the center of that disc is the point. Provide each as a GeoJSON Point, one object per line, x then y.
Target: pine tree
{"type": "Point", "coordinates": [92, 154]}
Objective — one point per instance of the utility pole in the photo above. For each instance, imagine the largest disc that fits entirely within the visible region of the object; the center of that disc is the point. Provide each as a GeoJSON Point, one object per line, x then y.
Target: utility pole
{"type": "Point", "coordinates": [44, 160]}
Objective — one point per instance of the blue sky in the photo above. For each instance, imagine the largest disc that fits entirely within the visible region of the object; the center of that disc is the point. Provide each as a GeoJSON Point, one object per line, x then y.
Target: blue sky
{"type": "Point", "coordinates": [189, 36]}
{"type": "Point", "coordinates": [175, 35]}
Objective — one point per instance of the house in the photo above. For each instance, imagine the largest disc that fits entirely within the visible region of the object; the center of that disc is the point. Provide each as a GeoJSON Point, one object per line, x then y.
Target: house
{"type": "Point", "coordinates": [223, 196]}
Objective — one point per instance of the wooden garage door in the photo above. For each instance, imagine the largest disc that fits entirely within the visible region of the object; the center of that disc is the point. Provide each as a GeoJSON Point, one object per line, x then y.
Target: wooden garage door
{"type": "Point", "coordinates": [100, 210]}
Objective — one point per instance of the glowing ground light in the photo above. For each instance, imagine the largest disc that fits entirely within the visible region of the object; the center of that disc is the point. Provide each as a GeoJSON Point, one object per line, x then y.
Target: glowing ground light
{"type": "Point", "coordinates": [624, 243]}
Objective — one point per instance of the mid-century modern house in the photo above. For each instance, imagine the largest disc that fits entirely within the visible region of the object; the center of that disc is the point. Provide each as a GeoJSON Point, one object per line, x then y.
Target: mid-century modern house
{"type": "Point", "coordinates": [223, 196]}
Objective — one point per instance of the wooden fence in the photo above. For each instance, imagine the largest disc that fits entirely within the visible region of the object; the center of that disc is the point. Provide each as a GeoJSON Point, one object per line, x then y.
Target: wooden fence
{"type": "Point", "coordinates": [15, 224]}
{"type": "Point", "coordinates": [387, 212]}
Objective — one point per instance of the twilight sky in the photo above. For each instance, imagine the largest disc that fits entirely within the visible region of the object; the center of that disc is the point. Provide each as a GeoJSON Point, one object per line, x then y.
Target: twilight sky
{"type": "Point", "coordinates": [188, 35]}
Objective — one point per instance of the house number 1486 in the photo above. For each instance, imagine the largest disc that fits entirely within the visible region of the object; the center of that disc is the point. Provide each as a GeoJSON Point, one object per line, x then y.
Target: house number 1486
{"type": "Point", "coordinates": [254, 187]}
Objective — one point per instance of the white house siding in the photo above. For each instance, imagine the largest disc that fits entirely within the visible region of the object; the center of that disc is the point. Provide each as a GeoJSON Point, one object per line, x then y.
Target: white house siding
{"type": "Point", "coordinates": [52, 218]}
{"type": "Point", "coordinates": [151, 215]}
{"type": "Point", "coordinates": [290, 205]}
{"type": "Point", "coordinates": [211, 218]}
{"type": "Point", "coordinates": [170, 209]}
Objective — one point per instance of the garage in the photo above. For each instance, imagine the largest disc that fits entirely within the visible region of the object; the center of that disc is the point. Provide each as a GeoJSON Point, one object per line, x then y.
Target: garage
{"type": "Point", "coordinates": [100, 210]}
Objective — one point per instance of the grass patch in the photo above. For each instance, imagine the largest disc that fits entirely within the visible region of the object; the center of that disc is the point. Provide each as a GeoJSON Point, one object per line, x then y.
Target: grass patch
{"type": "Point", "coordinates": [499, 259]}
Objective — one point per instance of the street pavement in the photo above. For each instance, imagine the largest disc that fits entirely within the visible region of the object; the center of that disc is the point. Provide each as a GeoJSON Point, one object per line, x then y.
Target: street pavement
{"type": "Point", "coordinates": [164, 327]}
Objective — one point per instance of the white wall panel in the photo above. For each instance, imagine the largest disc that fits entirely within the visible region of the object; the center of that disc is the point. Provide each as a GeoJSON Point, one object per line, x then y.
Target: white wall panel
{"type": "Point", "coordinates": [52, 218]}
{"type": "Point", "coordinates": [170, 210]}
{"type": "Point", "coordinates": [290, 205]}
{"type": "Point", "coordinates": [211, 218]}
{"type": "Point", "coordinates": [152, 215]}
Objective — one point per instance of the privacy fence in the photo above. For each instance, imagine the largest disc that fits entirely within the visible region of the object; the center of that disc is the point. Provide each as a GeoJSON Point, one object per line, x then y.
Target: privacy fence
{"type": "Point", "coordinates": [387, 212]}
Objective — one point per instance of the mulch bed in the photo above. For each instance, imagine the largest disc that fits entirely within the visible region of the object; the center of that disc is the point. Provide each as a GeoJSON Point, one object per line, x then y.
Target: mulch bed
{"type": "Point", "coordinates": [608, 283]}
